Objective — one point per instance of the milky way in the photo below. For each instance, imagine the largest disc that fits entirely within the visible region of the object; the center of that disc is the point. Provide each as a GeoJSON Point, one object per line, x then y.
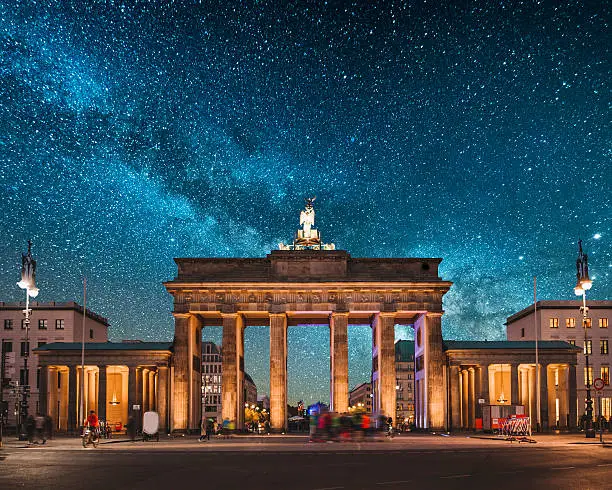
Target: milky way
{"type": "Point", "coordinates": [135, 132]}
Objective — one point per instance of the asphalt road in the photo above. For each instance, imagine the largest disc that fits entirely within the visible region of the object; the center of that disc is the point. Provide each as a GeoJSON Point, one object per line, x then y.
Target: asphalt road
{"type": "Point", "coordinates": [419, 463]}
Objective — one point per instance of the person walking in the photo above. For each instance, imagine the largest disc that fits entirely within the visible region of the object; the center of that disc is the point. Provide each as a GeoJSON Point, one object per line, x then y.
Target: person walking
{"type": "Point", "coordinates": [40, 427]}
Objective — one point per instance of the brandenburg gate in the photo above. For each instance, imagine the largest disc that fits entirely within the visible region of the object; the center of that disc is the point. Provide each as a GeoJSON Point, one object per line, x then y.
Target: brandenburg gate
{"type": "Point", "coordinates": [307, 282]}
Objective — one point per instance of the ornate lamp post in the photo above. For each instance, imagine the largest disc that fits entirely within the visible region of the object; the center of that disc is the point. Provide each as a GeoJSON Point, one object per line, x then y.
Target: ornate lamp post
{"type": "Point", "coordinates": [583, 284]}
{"type": "Point", "coordinates": [28, 282]}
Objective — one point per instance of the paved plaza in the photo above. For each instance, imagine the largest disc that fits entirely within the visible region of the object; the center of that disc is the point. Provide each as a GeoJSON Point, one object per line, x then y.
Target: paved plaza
{"type": "Point", "coordinates": [419, 460]}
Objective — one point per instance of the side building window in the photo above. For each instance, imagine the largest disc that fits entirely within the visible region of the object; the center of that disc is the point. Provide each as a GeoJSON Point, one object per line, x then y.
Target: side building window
{"type": "Point", "coordinates": [570, 323]}
{"type": "Point", "coordinates": [603, 346]}
{"type": "Point", "coordinates": [59, 324]}
{"type": "Point", "coordinates": [605, 375]}
{"type": "Point", "coordinates": [553, 322]}
{"type": "Point", "coordinates": [603, 323]}
{"type": "Point", "coordinates": [8, 324]}
{"type": "Point", "coordinates": [42, 324]}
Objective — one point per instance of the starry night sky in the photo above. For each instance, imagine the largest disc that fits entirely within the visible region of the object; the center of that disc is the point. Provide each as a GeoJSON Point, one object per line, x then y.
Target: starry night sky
{"type": "Point", "coordinates": [135, 132]}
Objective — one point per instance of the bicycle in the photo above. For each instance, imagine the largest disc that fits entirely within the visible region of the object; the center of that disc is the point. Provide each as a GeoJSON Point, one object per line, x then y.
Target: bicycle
{"type": "Point", "coordinates": [90, 435]}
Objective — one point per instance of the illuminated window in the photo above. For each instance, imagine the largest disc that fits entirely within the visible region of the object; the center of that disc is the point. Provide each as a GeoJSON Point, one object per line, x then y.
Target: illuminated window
{"type": "Point", "coordinates": [603, 346]}
{"type": "Point", "coordinates": [588, 322]}
{"type": "Point", "coordinates": [573, 342]}
{"type": "Point", "coordinates": [553, 322]}
{"type": "Point", "coordinates": [605, 374]}
{"type": "Point", "coordinates": [59, 324]}
{"type": "Point", "coordinates": [590, 376]}
{"type": "Point", "coordinates": [603, 323]}
{"type": "Point", "coordinates": [570, 322]}
{"type": "Point", "coordinates": [42, 324]}
{"type": "Point", "coordinates": [588, 347]}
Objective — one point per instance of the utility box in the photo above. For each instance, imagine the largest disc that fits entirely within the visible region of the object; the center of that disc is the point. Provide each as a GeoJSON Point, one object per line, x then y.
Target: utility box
{"type": "Point", "coordinates": [493, 414]}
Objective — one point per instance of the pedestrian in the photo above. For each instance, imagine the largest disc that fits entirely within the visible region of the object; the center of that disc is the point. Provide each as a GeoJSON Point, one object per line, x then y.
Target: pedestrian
{"type": "Point", "coordinates": [312, 420]}
{"type": "Point", "coordinates": [203, 424]}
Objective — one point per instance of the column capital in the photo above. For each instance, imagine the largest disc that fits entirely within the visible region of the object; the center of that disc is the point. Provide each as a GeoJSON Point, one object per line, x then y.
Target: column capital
{"type": "Point", "coordinates": [280, 315]}
{"type": "Point", "coordinates": [339, 313]}
{"type": "Point", "coordinates": [181, 315]}
{"type": "Point", "coordinates": [434, 314]}
{"type": "Point", "coordinates": [386, 314]}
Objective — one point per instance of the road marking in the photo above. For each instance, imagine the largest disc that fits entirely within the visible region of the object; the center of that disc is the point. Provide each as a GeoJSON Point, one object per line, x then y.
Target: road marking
{"type": "Point", "coordinates": [393, 482]}
{"type": "Point", "coordinates": [605, 464]}
{"type": "Point", "coordinates": [455, 476]}
{"type": "Point", "coordinates": [563, 468]}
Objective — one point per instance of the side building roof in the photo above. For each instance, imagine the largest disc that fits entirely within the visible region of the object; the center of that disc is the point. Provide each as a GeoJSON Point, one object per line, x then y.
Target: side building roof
{"type": "Point", "coordinates": [507, 344]}
{"type": "Point", "coordinates": [105, 346]}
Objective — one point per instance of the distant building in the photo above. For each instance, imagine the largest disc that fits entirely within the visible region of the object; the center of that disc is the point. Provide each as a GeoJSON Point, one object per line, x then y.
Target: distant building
{"type": "Point", "coordinates": [250, 390]}
{"type": "Point", "coordinates": [264, 402]}
{"type": "Point", "coordinates": [49, 323]}
{"type": "Point", "coordinates": [404, 385]}
{"type": "Point", "coordinates": [212, 377]}
{"type": "Point", "coordinates": [211, 381]}
{"type": "Point", "coordinates": [562, 320]}
{"type": "Point", "coordinates": [359, 397]}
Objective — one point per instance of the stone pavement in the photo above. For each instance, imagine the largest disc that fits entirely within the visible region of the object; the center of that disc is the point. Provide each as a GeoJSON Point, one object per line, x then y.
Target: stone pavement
{"type": "Point", "coordinates": [300, 443]}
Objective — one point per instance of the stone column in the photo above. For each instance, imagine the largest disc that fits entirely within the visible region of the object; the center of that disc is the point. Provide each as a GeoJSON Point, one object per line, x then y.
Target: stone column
{"type": "Point", "coordinates": [102, 393]}
{"type": "Point", "coordinates": [471, 398]}
{"type": "Point", "coordinates": [465, 390]}
{"type": "Point", "coordinates": [134, 397]}
{"type": "Point", "coordinates": [151, 390]}
{"type": "Point", "coordinates": [572, 395]}
{"type": "Point", "coordinates": [544, 395]}
{"type": "Point", "coordinates": [562, 394]}
{"type": "Point", "coordinates": [514, 384]}
{"type": "Point", "coordinates": [484, 384]}
{"type": "Point", "coordinates": [145, 390]}
{"type": "Point", "coordinates": [43, 390]}
{"type": "Point", "coordinates": [278, 371]}
{"type": "Point", "coordinates": [232, 406]}
{"type": "Point", "coordinates": [181, 364]}
{"type": "Point", "coordinates": [386, 356]}
{"type": "Point", "coordinates": [73, 424]}
{"type": "Point", "coordinates": [338, 352]}
{"type": "Point", "coordinates": [53, 387]}
{"type": "Point", "coordinates": [455, 389]}
{"type": "Point", "coordinates": [434, 365]}
{"type": "Point", "coordinates": [162, 396]}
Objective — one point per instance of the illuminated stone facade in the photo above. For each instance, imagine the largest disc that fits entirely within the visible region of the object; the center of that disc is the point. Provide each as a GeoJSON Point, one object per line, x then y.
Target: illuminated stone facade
{"type": "Point", "coordinates": [295, 287]}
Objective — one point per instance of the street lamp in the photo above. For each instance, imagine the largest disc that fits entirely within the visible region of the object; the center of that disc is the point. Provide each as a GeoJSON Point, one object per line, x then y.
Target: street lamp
{"type": "Point", "coordinates": [583, 284]}
{"type": "Point", "coordinates": [28, 282]}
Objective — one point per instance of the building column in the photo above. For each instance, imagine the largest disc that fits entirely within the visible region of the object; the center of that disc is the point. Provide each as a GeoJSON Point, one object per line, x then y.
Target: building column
{"type": "Point", "coordinates": [278, 371]}
{"type": "Point", "coordinates": [338, 354]}
{"type": "Point", "coordinates": [232, 376]}
{"type": "Point", "coordinates": [162, 396]}
{"type": "Point", "coordinates": [514, 384]}
{"type": "Point", "coordinates": [572, 395]}
{"type": "Point", "coordinates": [134, 395]}
{"type": "Point", "coordinates": [43, 390]}
{"type": "Point", "coordinates": [384, 339]}
{"type": "Point", "coordinates": [52, 388]}
{"type": "Point", "coordinates": [434, 366]}
{"type": "Point", "coordinates": [472, 398]}
{"type": "Point", "coordinates": [145, 390]}
{"type": "Point", "coordinates": [73, 424]}
{"type": "Point", "coordinates": [455, 393]}
{"type": "Point", "coordinates": [102, 392]}
{"type": "Point", "coordinates": [544, 395]}
{"type": "Point", "coordinates": [465, 390]}
{"type": "Point", "coordinates": [484, 384]}
{"type": "Point", "coordinates": [186, 327]}
{"type": "Point", "coordinates": [152, 390]}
